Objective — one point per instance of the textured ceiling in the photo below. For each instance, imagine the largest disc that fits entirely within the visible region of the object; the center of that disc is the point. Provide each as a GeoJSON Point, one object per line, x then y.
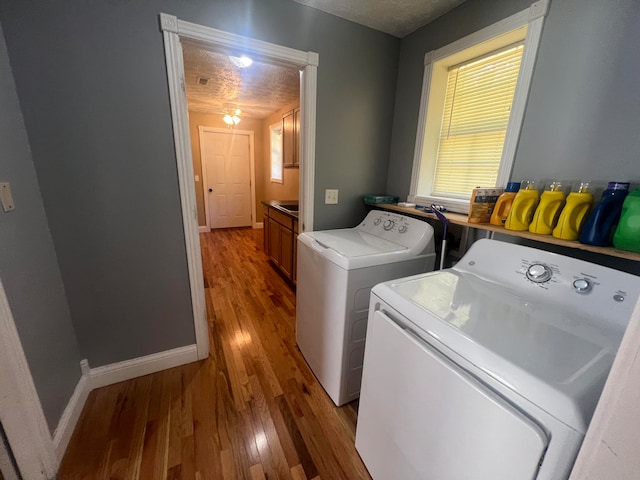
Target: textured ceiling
{"type": "Point", "coordinates": [258, 90]}
{"type": "Point", "coordinates": [262, 89]}
{"type": "Point", "coordinates": [396, 17]}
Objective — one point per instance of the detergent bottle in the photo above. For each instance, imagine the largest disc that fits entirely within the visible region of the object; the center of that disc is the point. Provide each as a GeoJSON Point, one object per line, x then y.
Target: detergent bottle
{"type": "Point", "coordinates": [546, 216]}
{"type": "Point", "coordinates": [503, 205]}
{"type": "Point", "coordinates": [627, 236]}
{"type": "Point", "coordinates": [599, 227]}
{"type": "Point", "coordinates": [574, 213]}
{"type": "Point", "coordinates": [524, 204]}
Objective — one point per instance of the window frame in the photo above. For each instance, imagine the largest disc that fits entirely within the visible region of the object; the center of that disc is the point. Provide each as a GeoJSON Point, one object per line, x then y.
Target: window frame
{"type": "Point", "coordinates": [533, 19]}
{"type": "Point", "coordinates": [275, 127]}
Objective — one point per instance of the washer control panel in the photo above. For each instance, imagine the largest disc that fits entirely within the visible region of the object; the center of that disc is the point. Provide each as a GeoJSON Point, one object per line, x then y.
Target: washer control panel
{"type": "Point", "coordinates": [412, 233]}
{"type": "Point", "coordinates": [545, 276]}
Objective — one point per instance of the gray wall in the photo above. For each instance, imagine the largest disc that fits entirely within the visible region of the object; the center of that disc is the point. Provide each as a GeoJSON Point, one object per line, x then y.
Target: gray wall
{"type": "Point", "coordinates": [28, 264]}
{"type": "Point", "coordinates": [583, 115]}
{"type": "Point", "coordinates": [582, 119]}
{"type": "Point", "coordinates": [92, 85]}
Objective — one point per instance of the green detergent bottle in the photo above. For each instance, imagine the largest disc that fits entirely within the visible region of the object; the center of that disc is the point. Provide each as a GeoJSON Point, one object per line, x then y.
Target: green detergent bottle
{"type": "Point", "coordinates": [627, 236]}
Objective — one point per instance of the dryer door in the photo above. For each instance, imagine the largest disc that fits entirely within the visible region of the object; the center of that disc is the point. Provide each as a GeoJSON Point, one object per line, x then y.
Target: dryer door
{"type": "Point", "coordinates": [423, 417]}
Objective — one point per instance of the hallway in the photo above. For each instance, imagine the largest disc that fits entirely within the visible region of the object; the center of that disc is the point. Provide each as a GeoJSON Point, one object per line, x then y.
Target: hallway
{"type": "Point", "coordinates": [252, 410]}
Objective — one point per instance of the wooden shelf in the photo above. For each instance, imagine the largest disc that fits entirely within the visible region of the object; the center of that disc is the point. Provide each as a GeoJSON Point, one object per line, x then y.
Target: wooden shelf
{"type": "Point", "coordinates": [459, 219]}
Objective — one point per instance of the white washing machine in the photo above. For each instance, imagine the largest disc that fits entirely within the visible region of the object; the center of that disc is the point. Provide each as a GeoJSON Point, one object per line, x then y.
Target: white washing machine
{"type": "Point", "coordinates": [490, 370]}
{"type": "Point", "coordinates": [336, 270]}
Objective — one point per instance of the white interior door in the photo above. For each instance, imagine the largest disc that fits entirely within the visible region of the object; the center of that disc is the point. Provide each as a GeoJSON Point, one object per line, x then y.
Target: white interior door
{"type": "Point", "coordinates": [226, 158]}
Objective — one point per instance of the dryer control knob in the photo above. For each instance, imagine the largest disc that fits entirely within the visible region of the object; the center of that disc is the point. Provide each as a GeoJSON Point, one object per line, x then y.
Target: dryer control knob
{"type": "Point", "coordinates": [388, 225]}
{"type": "Point", "coordinates": [539, 273]}
{"type": "Point", "coordinates": [377, 221]}
{"type": "Point", "coordinates": [402, 228]}
{"type": "Point", "coordinates": [582, 285]}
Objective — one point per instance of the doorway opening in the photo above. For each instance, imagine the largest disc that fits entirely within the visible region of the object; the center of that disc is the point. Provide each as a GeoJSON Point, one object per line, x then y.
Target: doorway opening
{"type": "Point", "coordinates": [174, 32]}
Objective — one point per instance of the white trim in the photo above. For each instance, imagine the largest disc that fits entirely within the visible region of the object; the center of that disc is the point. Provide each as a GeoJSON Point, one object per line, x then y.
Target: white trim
{"type": "Point", "coordinates": [137, 367]}
{"type": "Point", "coordinates": [204, 229]}
{"type": "Point", "coordinates": [252, 166]}
{"type": "Point", "coordinates": [20, 408]}
{"type": "Point", "coordinates": [180, 120]}
{"type": "Point", "coordinates": [308, 89]}
{"type": "Point", "coordinates": [533, 17]}
{"type": "Point", "coordinates": [93, 378]}
{"type": "Point", "coordinates": [422, 119]}
{"type": "Point", "coordinates": [521, 94]}
{"type": "Point", "coordinates": [174, 29]}
{"type": "Point", "coordinates": [71, 414]}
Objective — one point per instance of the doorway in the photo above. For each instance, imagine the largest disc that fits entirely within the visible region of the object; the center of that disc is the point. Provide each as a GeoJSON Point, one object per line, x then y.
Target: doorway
{"type": "Point", "coordinates": [228, 171]}
{"type": "Point", "coordinates": [26, 446]}
{"type": "Point", "coordinates": [307, 62]}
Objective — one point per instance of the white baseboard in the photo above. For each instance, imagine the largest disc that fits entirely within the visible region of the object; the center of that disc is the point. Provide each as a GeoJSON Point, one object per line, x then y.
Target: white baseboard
{"type": "Point", "coordinates": [204, 229]}
{"type": "Point", "coordinates": [258, 225]}
{"type": "Point", "coordinates": [137, 367]}
{"type": "Point", "coordinates": [109, 374]}
{"type": "Point", "coordinates": [71, 414]}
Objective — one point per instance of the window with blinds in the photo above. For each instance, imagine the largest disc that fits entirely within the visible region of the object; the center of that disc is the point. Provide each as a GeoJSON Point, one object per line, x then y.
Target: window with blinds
{"type": "Point", "coordinates": [477, 105]}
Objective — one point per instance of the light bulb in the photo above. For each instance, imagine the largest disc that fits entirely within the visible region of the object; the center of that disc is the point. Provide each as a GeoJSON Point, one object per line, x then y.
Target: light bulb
{"type": "Point", "coordinates": [241, 62]}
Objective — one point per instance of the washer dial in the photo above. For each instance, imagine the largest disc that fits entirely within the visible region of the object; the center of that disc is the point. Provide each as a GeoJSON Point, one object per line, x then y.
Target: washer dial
{"type": "Point", "coordinates": [582, 285]}
{"type": "Point", "coordinates": [402, 228]}
{"type": "Point", "coordinates": [388, 225]}
{"type": "Point", "coordinates": [539, 273]}
{"type": "Point", "coordinates": [377, 221]}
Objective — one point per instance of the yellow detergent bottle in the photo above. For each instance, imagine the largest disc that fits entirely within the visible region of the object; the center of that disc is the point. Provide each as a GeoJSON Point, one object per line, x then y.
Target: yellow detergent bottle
{"type": "Point", "coordinates": [548, 212]}
{"type": "Point", "coordinates": [523, 207]}
{"type": "Point", "coordinates": [574, 213]}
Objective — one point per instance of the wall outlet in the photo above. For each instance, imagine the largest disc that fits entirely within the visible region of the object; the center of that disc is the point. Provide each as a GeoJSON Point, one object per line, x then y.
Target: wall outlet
{"type": "Point", "coordinates": [5, 197]}
{"type": "Point", "coordinates": [330, 197]}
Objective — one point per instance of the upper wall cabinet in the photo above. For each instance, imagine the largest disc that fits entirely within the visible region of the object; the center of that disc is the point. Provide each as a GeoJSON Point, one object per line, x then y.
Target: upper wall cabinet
{"type": "Point", "coordinates": [291, 138]}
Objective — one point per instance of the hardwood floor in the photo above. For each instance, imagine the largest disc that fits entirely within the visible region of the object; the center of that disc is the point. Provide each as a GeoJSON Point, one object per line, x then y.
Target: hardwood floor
{"type": "Point", "coordinates": [252, 410]}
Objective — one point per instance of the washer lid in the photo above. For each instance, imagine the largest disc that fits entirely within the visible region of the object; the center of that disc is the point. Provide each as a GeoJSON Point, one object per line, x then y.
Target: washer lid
{"type": "Point", "coordinates": [351, 242]}
{"type": "Point", "coordinates": [549, 355]}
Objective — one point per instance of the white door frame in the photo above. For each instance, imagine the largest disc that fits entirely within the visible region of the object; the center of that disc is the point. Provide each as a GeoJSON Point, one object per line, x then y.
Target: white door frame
{"type": "Point", "coordinates": [205, 184]}
{"type": "Point", "coordinates": [20, 408]}
{"type": "Point", "coordinates": [173, 30]}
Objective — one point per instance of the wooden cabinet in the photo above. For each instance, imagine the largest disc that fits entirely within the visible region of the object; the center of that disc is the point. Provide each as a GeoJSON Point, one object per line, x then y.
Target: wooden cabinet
{"type": "Point", "coordinates": [291, 138]}
{"type": "Point", "coordinates": [280, 238]}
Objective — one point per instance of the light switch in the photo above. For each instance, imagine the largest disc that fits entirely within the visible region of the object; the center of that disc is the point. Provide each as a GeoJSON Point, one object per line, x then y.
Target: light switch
{"type": "Point", "coordinates": [197, 178]}
{"type": "Point", "coordinates": [5, 197]}
{"type": "Point", "coordinates": [330, 197]}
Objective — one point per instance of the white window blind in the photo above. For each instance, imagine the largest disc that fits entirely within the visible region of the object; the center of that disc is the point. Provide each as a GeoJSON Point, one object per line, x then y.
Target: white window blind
{"type": "Point", "coordinates": [477, 106]}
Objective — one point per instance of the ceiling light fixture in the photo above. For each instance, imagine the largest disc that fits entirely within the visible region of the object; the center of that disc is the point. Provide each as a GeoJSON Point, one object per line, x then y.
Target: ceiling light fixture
{"type": "Point", "coordinates": [233, 118]}
{"type": "Point", "coordinates": [241, 62]}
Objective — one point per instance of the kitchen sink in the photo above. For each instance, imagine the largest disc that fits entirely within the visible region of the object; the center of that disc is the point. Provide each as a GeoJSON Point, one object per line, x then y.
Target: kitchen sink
{"type": "Point", "coordinates": [289, 207]}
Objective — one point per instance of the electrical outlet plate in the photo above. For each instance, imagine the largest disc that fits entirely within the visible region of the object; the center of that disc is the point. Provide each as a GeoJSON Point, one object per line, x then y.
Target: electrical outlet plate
{"type": "Point", "coordinates": [330, 197]}
{"type": "Point", "coordinates": [5, 197]}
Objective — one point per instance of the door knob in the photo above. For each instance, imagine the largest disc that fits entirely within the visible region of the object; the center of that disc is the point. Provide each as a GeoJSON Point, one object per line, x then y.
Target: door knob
{"type": "Point", "coordinates": [210, 190]}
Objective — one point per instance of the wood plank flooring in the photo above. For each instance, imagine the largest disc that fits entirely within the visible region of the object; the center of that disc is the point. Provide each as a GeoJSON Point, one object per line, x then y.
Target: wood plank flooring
{"type": "Point", "coordinates": [253, 410]}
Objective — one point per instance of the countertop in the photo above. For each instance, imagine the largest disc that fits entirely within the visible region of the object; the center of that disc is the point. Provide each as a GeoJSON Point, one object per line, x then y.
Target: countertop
{"type": "Point", "coordinates": [281, 205]}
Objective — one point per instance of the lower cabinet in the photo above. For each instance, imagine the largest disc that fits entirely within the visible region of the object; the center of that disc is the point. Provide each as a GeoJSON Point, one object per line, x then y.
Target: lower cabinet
{"type": "Point", "coordinates": [280, 236]}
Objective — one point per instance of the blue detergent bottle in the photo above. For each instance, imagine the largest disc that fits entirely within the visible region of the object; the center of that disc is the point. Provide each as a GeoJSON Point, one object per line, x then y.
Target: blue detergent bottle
{"type": "Point", "coordinates": [600, 225]}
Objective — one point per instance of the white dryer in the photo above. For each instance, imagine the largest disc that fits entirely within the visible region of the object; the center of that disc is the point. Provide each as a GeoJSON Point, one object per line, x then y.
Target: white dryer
{"type": "Point", "coordinates": [336, 270]}
{"type": "Point", "coordinates": [490, 370]}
